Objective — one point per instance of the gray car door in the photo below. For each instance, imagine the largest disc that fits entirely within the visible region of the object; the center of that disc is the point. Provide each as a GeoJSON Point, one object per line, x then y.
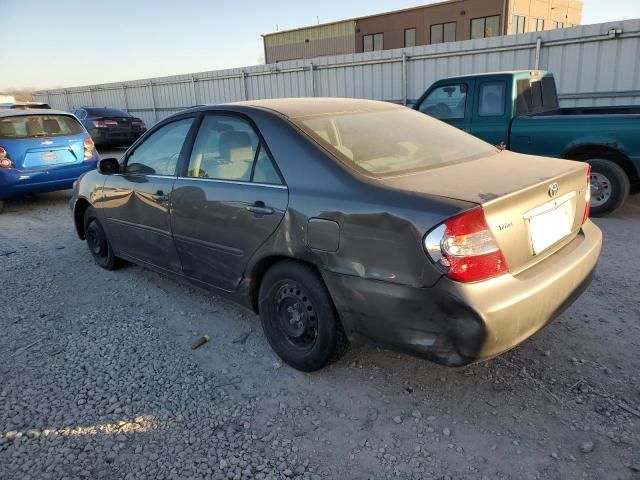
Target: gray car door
{"type": "Point", "coordinates": [136, 202]}
{"type": "Point", "coordinates": [229, 199]}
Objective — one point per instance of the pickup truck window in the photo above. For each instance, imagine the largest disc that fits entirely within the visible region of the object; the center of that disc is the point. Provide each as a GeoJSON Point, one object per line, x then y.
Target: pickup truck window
{"type": "Point", "coordinates": [536, 96]}
{"type": "Point", "coordinates": [492, 99]}
{"type": "Point", "coordinates": [446, 103]}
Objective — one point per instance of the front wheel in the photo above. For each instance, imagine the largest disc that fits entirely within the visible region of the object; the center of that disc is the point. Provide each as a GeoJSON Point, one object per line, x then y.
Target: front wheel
{"type": "Point", "coordinates": [298, 317]}
{"type": "Point", "coordinates": [609, 186]}
{"type": "Point", "coordinates": [98, 242]}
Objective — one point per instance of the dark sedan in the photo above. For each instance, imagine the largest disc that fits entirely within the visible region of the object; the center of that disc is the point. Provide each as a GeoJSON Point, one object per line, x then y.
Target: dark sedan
{"type": "Point", "coordinates": [339, 220]}
{"type": "Point", "coordinates": [110, 126]}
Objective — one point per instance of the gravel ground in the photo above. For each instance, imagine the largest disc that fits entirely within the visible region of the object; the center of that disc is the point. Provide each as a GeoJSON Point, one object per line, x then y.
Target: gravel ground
{"type": "Point", "coordinates": [98, 380]}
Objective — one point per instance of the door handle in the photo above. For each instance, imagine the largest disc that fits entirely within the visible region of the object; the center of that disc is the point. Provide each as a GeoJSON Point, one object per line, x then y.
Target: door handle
{"type": "Point", "coordinates": [259, 208]}
{"type": "Point", "coordinates": [159, 196]}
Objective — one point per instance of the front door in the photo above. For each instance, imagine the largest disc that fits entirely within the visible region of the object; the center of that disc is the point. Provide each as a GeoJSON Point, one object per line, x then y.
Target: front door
{"type": "Point", "coordinates": [136, 202]}
{"type": "Point", "coordinates": [228, 200]}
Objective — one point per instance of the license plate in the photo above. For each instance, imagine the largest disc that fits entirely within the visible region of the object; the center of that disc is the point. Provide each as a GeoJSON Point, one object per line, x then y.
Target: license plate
{"type": "Point", "coordinates": [552, 224]}
{"type": "Point", "coordinates": [49, 157]}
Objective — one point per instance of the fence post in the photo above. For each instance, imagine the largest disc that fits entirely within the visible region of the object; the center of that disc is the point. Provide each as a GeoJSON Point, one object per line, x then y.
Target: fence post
{"type": "Point", "coordinates": [538, 48]}
{"type": "Point", "coordinates": [66, 96]}
{"type": "Point", "coordinates": [124, 96]}
{"type": "Point", "coordinates": [404, 78]}
{"type": "Point", "coordinates": [153, 99]}
{"type": "Point", "coordinates": [244, 85]}
{"type": "Point", "coordinates": [194, 93]}
{"type": "Point", "coordinates": [313, 83]}
{"type": "Point", "coordinates": [93, 100]}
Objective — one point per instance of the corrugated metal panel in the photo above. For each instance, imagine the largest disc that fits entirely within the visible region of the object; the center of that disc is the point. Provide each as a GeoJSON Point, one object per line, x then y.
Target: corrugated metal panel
{"type": "Point", "coordinates": [320, 32]}
{"type": "Point", "coordinates": [591, 69]}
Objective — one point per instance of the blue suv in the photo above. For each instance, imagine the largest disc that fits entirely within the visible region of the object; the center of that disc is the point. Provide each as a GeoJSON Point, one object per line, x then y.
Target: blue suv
{"type": "Point", "coordinates": [42, 151]}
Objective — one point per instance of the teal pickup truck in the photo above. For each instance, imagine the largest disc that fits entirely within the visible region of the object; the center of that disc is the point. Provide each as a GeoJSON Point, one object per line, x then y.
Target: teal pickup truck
{"type": "Point", "coordinates": [520, 111]}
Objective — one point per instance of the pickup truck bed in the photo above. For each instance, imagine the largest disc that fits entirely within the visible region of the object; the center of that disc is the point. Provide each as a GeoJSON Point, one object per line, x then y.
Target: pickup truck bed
{"type": "Point", "coordinates": [520, 111]}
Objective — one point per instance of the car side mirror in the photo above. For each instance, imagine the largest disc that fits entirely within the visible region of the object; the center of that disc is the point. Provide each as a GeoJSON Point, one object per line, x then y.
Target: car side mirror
{"type": "Point", "coordinates": [109, 166]}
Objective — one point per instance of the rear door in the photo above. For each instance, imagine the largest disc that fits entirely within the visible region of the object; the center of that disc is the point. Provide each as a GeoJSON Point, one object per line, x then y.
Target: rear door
{"type": "Point", "coordinates": [228, 199]}
{"type": "Point", "coordinates": [136, 203]}
{"type": "Point", "coordinates": [42, 142]}
{"type": "Point", "coordinates": [450, 102]}
{"type": "Point", "coordinates": [493, 110]}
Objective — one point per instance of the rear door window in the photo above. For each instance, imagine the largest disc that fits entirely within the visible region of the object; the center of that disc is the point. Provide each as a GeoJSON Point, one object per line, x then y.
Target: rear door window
{"type": "Point", "coordinates": [228, 148]}
{"type": "Point", "coordinates": [446, 103]}
{"type": "Point", "coordinates": [491, 102]}
{"type": "Point", "coordinates": [35, 126]}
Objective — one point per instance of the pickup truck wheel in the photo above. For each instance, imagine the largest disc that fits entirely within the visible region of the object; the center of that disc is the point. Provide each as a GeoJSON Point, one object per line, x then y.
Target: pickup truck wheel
{"type": "Point", "coordinates": [298, 317]}
{"type": "Point", "coordinates": [609, 186]}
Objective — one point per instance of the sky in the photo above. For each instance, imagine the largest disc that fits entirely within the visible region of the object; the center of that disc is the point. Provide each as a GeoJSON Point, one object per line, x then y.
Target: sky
{"type": "Point", "coordinates": [64, 43]}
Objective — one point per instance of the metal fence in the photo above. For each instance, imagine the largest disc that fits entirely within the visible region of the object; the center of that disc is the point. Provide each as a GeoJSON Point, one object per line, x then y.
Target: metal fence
{"type": "Point", "coordinates": [594, 65]}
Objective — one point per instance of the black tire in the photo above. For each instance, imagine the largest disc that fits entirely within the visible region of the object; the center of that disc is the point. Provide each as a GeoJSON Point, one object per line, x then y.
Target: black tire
{"type": "Point", "coordinates": [98, 242]}
{"type": "Point", "coordinates": [299, 318]}
{"type": "Point", "coordinates": [609, 186]}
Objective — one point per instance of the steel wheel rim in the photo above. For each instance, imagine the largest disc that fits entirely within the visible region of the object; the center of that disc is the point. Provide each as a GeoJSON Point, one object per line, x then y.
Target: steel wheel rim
{"type": "Point", "coordinates": [96, 241]}
{"type": "Point", "coordinates": [296, 316]}
{"type": "Point", "coordinates": [601, 189]}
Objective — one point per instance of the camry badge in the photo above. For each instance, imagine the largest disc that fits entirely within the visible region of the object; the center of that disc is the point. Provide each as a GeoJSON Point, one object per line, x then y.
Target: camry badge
{"type": "Point", "coordinates": [553, 189]}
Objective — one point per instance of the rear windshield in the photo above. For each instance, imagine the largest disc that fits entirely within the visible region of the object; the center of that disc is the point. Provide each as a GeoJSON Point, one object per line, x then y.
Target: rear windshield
{"type": "Point", "coordinates": [32, 126]}
{"type": "Point", "coordinates": [106, 112]}
{"type": "Point", "coordinates": [537, 96]}
{"type": "Point", "coordinates": [393, 141]}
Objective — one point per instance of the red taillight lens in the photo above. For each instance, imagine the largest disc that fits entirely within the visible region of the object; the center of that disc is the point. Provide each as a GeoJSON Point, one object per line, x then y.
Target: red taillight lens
{"type": "Point", "coordinates": [5, 161]}
{"type": "Point", "coordinates": [104, 123]}
{"type": "Point", "coordinates": [587, 196]}
{"type": "Point", "coordinates": [89, 149]}
{"type": "Point", "coordinates": [465, 247]}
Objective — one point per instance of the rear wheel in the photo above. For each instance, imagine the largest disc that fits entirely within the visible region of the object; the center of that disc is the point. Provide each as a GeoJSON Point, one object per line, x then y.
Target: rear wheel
{"type": "Point", "coordinates": [98, 242]}
{"type": "Point", "coordinates": [609, 186]}
{"type": "Point", "coordinates": [298, 317]}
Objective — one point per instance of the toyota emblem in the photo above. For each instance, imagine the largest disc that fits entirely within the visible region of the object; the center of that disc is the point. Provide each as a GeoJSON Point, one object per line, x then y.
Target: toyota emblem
{"type": "Point", "coordinates": [553, 189]}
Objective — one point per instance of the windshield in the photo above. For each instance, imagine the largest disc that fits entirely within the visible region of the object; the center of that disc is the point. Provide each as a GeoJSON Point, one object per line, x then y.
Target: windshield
{"type": "Point", "coordinates": [31, 126]}
{"type": "Point", "coordinates": [393, 141]}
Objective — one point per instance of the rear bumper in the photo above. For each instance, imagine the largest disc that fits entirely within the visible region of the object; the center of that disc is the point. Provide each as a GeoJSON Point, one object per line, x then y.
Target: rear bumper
{"type": "Point", "coordinates": [14, 183]}
{"type": "Point", "coordinates": [456, 324]}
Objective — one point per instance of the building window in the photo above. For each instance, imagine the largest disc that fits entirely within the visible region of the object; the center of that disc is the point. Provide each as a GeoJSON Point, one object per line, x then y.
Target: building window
{"type": "Point", "coordinates": [373, 42]}
{"type": "Point", "coordinates": [517, 24]}
{"type": "Point", "coordinates": [539, 23]}
{"type": "Point", "coordinates": [410, 37]}
{"type": "Point", "coordinates": [558, 24]}
{"type": "Point", "coordinates": [443, 32]}
{"type": "Point", "coordinates": [485, 27]}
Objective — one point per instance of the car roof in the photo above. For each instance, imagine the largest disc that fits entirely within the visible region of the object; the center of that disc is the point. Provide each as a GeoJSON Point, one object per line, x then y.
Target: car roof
{"type": "Point", "coordinates": [318, 106]}
{"type": "Point", "coordinates": [541, 73]}
{"type": "Point", "coordinates": [31, 111]}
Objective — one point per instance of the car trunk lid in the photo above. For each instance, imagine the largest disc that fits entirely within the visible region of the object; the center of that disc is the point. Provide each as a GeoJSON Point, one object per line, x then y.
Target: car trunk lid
{"type": "Point", "coordinates": [533, 205]}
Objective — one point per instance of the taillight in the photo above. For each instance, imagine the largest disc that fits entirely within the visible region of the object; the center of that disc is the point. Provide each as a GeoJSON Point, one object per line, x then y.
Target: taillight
{"type": "Point", "coordinates": [104, 123]}
{"type": "Point", "coordinates": [587, 196]}
{"type": "Point", "coordinates": [89, 149]}
{"type": "Point", "coordinates": [5, 161]}
{"type": "Point", "coordinates": [138, 123]}
{"type": "Point", "coordinates": [466, 249]}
